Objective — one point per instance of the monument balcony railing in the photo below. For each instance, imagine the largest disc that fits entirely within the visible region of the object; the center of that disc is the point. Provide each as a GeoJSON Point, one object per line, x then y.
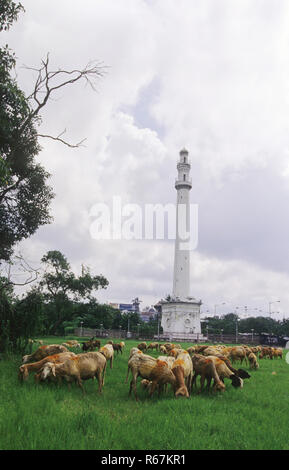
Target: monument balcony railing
{"type": "Point", "coordinates": [184, 164]}
{"type": "Point", "coordinates": [180, 181]}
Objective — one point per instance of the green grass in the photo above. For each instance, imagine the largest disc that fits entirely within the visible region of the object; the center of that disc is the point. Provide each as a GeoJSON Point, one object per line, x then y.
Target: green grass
{"type": "Point", "coordinates": [49, 416]}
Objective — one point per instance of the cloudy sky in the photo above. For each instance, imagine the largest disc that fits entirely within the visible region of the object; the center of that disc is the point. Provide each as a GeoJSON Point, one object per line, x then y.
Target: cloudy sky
{"type": "Point", "coordinates": [211, 76]}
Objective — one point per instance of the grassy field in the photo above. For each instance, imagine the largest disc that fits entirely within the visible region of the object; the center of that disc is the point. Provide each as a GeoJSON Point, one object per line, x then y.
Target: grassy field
{"type": "Point", "coordinates": [49, 416]}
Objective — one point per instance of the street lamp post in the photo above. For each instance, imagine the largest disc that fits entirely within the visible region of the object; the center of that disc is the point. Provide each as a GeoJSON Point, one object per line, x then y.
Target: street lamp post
{"type": "Point", "coordinates": [81, 330]}
{"type": "Point", "coordinates": [222, 335]}
{"type": "Point", "coordinates": [237, 319]}
{"type": "Point", "coordinates": [270, 303]}
{"type": "Point", "coordinates": [218, 305]}
{"type": "Point", "coordinates": [252, 329]}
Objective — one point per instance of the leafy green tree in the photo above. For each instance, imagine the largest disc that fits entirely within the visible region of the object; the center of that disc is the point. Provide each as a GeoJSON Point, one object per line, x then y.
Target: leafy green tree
{"type": "Point", "coordinates": [9, 12]}
{"type": "Point", "coordinates": [61, 287]}
{"type": "Point", "coordinates": [20, 320]}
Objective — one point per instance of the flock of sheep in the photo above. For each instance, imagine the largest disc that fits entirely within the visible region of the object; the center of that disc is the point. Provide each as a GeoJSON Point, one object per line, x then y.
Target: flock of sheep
{"type": "Point", "coordinates": [176, 366]}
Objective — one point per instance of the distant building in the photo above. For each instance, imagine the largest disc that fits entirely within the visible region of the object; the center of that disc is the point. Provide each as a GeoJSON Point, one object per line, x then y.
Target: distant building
{"type": "Point", "coordinates": [124, 308]}
{"type": "Point", "coordinates": [148, 314]}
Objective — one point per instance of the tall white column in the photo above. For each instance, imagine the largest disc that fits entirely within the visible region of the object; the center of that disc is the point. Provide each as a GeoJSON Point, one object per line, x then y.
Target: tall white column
{"type": "Point", "coordinates": [181, 313]}
{"type": "Point", "coordinates": [183, 185]}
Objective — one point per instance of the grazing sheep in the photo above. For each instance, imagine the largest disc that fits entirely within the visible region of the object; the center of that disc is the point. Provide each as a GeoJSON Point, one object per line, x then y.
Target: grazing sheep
{"type": "Point", "coordinates": [143, 346]}
{"type": "Point", "coordinates": [238, 354]}
{"type": "Point", "coordinates": [266, 351]}
{"type": "Point", "coordinates": [153, 346]}
{"type": "Point", "coordinates": [122, 344]}
{"type": "Point", "coordinates": [151, 369]}
{"type": "Point", "coordinates": [72, 343]}
{"type": "Point", "coordinates": [217, 353]}
{"type": "Point", "coordinates": [43, 351]}
{"type": "Point", "coordinates": [205, 367]}
{"type": "Point", "coordinates": [36, 366]}
{"type": "Point", "coordinates": [243, 374]}
{"type": "Point", "coordinates": [80, 367]}
{"type": "Point", "coordinates": [253, 361]}
{"type": "Point", "coordinates": [116, 347]}
{"type": "Point", "coordinates": [199, 348]}
{"type": "Point", "coordinates": [163, 349]}
{"type": "Point", "coordinates": [223, 372]}
{"type": "Point", "coordinates": [214, 351]}
{"type": "Point", "coordinates": [191, 350]}
{"type": "Point", "coordinates": [277, 352]}
{"type": "Point", "coordinates": [107, 351]}
{"type": "Point", "coordinates": [182, 369]}
{"type": "Point", "coordinates": [169, 346]}
{"type": "Point", "coordinates": [91, 345]}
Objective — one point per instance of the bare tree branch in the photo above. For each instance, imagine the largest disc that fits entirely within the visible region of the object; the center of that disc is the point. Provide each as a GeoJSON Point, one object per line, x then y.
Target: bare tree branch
{"type": "Point", "coordinates": [58, 138]}
{"type": "Point", "coordinates": [49, 81]}
{"type": "Point", "coordinates": [23, 269]}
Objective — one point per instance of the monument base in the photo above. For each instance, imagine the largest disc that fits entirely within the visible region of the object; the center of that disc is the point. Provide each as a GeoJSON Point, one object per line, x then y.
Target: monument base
{"type": "Point", "coordinates": [181, 320]}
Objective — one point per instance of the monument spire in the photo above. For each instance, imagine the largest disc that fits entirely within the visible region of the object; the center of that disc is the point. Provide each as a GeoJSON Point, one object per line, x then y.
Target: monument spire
{"type": "Point", "coordinates": [183, 185]}
{"type": "Point", "coordinates": [181, 313]}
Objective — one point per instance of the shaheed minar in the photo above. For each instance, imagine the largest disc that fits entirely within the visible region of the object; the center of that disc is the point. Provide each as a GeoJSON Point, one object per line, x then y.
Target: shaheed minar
{"type": "Point", "coordinates": [181, 314]}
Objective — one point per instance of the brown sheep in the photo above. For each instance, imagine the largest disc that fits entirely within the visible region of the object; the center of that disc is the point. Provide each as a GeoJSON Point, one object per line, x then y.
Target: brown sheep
{"type": "Point", "coordinates": [223, 372]}
{"type": "Point", "coordinates": [277, 352]}
{"type": "Point", "coordinates": [107, 351]}
{"type": "Point", "coordinates": [183, 371]}
{"type": "Point", "coordinates": [253, 361]}
{"type": "Point", "coordinates": [266, 351]}
{"type": "Point", "coordinates": [200, 348]}
{"type": "Point", "coordinates": [205, 367]}
{"type": "Point", "coordinates": [43, 351]}
{"type": "Point", "coordinates": [117, 347]}
{"type": "Point", "coordinates": [143, 346]}
{"type": "Point", "coordinates": [191, 350]}
{"type": "Point", "coordinates": [36, 366]}
{"type": "Point", "coordinates": [153, 346]}
{"type": "Point", "coordinates": [91, 345]}
{"type": "Point", "coordinates": [72, 343]}
{"type": "Point", "coordinates": [151, 369]}
{"type": "Point", "coordinates": [238, 354]}
{"type": "Point", "coordinates": [212, 351]}
{"type": "Point", "coordinates": [81, 367]}
{"type": "Point", "coordinates": [243, 374]}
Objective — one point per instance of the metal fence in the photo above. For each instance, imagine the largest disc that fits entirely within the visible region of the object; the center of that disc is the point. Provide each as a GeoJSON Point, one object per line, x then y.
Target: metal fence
{"type": "Point", "coordinates": [231, 339]}
{"type": "Point", "coordinates": [101, 333]}
{"type": "Point", "coordinates": [212, 337]}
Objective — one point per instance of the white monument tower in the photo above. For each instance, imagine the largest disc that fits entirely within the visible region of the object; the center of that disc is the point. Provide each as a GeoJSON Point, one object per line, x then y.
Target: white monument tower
{"type": "Point", "coordinates": [181, 314]}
